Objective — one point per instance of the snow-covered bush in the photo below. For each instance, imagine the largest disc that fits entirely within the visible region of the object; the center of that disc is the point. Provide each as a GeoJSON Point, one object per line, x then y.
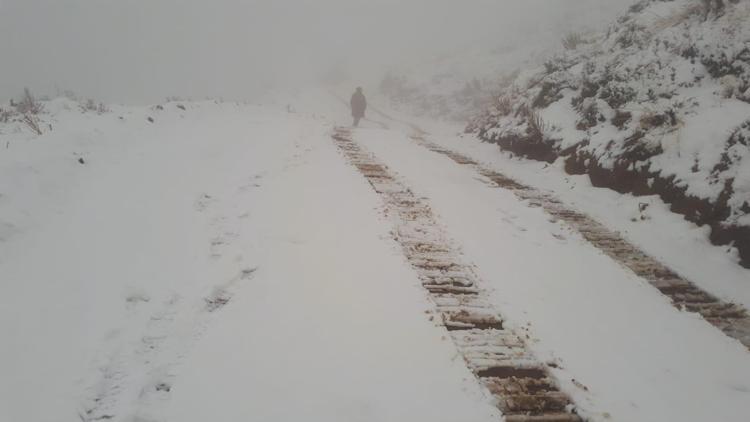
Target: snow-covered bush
{"type": "Point", "coordinates": [658, 103]}
{"type": "Point", "coordinates": [26, 111]}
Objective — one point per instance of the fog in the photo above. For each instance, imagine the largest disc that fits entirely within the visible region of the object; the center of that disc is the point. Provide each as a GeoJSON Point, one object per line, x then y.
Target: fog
{"type": "Point", "coordinates": [138, 51]}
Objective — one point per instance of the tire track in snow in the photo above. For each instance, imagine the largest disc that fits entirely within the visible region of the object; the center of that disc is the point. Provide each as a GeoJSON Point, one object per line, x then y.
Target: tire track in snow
{"type": "Point", "coordinates": [136, 378]}
{"type": "Point", "coordinates": [523, 386]}
{"type": "Point", "coordinates": [732, 319]}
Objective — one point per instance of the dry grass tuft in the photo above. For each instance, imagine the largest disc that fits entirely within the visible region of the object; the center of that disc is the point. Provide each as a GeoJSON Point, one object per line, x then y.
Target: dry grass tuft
{"type": "Point", "coordinates": [28, 104]}
{"type": "Point", "coordinates": [504, 105]}
{"type": "Point", "coordinates": [537, 126]}
{"type": "Point", "coordinates": [32, 123]}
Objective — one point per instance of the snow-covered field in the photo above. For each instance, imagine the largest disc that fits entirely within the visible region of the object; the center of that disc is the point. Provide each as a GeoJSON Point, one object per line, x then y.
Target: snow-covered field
{"type": "Point", "coordinates": [114, 272]}
{"type": "Point", "coordinates": [224, 262]}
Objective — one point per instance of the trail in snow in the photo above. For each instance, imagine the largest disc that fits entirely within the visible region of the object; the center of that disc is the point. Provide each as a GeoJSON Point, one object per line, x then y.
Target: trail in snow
{"type": "Point", "coordinates": [729, 317]}
{"type": "Point", "coordinates": [336, 326]}
{"type": "Point", "coordinates": [732, 319]}
{"type": "Point", "coordinates": [523, 386]}
{"type": "Point", "coordinates": [605, 327]}
{"type": "Point", "coordinates": [644, 221]}
{"type": "Point", "coordinates": [137, 380]}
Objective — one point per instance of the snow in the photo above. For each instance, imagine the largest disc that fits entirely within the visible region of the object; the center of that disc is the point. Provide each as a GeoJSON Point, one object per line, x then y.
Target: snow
{"type": "Point", "coordinates": [115, 272]}
{"type": "Point", "coordinates": [611, 331]}
{"type": "Point", "coordinates": [711, 267]}
{"type": "Point", "coordinates": [224, 262]}
{"type": "Point", "coordinates": [695, 142]}
{"type": "Point", "coordinates": [335, 325]}
{"type": "Point", "coordinates": [562, 117]}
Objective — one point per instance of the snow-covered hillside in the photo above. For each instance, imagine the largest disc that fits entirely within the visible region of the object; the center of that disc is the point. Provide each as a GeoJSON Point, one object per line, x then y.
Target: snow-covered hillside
{"type": "Point", "coordinates": [459, 82]}
{"type": "Point", "coordinates": [659, 104]}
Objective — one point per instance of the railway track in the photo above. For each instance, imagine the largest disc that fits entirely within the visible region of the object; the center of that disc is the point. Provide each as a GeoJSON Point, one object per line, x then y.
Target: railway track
{"type": "Point", "coordinates": [524, 388]}
{"type": "Point", "coordinates": [732, 319]}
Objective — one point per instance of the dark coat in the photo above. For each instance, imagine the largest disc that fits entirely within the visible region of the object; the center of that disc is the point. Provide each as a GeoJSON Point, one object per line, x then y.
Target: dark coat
{"type": "Point", "coordinates": [359, 104]}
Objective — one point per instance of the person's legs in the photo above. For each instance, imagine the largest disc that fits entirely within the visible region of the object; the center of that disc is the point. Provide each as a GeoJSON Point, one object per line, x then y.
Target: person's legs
{"type": "Point", "coordinates": [356, 121]}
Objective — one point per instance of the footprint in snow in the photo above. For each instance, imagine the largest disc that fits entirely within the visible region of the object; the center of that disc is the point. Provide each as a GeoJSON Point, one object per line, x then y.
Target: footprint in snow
{"type": "Point", "coordinates": [511, 221]}
{"type": "Point", "coordinates": [252, 183]}
{"type": "Point", "coordinates": [559, 237]}
{"type": "Point", "coordinates": [136, 382]}
{"type": "Point", "coordinates": [203, 201]}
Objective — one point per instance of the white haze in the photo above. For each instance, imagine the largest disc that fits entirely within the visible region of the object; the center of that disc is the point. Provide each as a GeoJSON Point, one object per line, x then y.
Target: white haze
{"type": "Point", "coordinates": [141, 51]}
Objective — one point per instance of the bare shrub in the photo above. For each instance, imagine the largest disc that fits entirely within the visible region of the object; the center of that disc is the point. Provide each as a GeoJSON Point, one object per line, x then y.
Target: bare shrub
{"type": "Point", "coordinates": [621, 118]}
{"type": "Point", "coordinates": [28, 104]}
{"type": "Point", "coordinates": [650, 119]}
{"type": "Point", "coordinates": [590, 115]}
{"type": "Point", "coordinates": [32, 123]}
{"type": "Point", "coordinates": [617, 94]}
{"type": "Point", "coordinates": [28, 107]}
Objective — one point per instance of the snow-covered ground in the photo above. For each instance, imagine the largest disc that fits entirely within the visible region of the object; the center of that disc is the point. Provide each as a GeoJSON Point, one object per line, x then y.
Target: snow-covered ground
{"type": "Point", "coordinates": [610, 331]}
{"type": "Point", "coordinates": [661, 233]}
{"type": "Point", "coordinates": [224, 262]}
{"type": "Point", "coordinates": [114, 272]}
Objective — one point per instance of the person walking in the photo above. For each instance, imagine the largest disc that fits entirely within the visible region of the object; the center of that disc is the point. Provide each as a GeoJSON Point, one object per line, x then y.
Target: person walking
{"type": "Point", "coordinates": [359, 105]}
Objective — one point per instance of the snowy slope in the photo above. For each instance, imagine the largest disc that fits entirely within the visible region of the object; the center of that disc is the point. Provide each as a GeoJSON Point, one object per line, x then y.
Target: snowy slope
{"type": "Point", "coordinates": [659, 104]}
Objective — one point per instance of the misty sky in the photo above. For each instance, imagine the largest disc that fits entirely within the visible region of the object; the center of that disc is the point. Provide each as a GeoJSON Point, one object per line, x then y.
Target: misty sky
{"type": "Point", "coordinates": [138, 51]}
